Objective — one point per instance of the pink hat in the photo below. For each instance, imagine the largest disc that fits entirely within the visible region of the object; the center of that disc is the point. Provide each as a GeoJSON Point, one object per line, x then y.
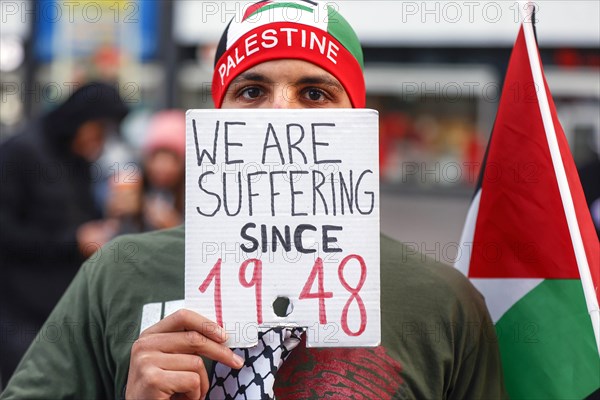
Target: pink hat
{"type": "Point", "coordinates": [166, 131]}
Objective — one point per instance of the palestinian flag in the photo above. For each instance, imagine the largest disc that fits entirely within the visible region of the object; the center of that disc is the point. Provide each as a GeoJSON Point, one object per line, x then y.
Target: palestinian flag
{"type": "Point", "coordinates": [529, 244]}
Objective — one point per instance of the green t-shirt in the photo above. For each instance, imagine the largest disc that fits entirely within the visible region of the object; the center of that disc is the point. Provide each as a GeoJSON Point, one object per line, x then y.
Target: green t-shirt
{"type": "Point", "coordinates": [437, 338]}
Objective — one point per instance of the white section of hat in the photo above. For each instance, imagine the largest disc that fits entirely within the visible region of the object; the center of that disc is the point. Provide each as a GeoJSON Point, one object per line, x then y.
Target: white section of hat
{"type": "Point", "coordinates": [318, 18]}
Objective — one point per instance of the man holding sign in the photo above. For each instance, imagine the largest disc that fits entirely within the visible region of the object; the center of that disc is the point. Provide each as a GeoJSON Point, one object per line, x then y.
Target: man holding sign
{"type": "Point", "coordinates": [428, 328]}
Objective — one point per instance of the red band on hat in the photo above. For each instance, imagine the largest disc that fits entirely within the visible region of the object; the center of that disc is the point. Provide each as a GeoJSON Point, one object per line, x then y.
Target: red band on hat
{"type": "Point", "coordinates": [283, 40]}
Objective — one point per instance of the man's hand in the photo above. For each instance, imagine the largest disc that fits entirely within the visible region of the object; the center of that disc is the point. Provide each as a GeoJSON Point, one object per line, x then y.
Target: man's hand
{"type": "Point", "coordinates": [165, 360]}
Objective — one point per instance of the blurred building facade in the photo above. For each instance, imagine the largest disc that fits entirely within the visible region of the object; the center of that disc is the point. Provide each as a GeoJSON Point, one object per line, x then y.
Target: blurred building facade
{"type": "Point", "coordinates": [434, 70]}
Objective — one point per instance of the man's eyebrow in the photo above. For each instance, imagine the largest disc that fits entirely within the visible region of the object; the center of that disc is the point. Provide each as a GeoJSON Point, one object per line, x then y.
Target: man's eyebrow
{"type": "Point", "coordinates": [251, 76]}
{"type": "Point", "coordinates": [320, 80]}
{"type": "Point", "coordinates": [306, 80]}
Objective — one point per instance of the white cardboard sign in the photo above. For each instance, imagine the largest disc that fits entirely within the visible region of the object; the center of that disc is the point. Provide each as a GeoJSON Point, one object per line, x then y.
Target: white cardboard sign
{"type": "Point", "coordinates": [284, 204]}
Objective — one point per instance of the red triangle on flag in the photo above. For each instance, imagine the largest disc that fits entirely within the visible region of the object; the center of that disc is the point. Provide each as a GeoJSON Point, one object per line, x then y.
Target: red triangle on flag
{"type": "Point", "coordinates": [255, 7]}
{"type": "Point", "coordinates": [521, 229]}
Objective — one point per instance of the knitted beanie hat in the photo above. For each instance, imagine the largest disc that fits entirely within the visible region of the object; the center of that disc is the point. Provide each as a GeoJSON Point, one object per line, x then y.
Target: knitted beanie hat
{"type": "Point", "coordinates": [166, 131]}
{"type": "Point", "coordinates": [297, 29]}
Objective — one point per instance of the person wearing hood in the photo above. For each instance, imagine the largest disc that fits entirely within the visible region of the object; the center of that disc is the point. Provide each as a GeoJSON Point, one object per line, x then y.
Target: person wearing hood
{"type": "Point", "coordinates": [49, 221]}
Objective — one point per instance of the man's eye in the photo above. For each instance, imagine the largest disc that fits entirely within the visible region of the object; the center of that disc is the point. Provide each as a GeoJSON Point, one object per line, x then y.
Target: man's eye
{"type": "Point", "coordinates": [314, 94]}
{"type": "Point", "coordinates": [251, 93]}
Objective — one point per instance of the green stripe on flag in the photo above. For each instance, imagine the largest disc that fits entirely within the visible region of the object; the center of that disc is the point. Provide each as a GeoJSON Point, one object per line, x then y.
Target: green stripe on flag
{"type": "Point", "coordinates": [547, 344]}
{"type": "Point", "coordinates": [281, 5]}
{"type": "Point", "coordinates": [339, 28]}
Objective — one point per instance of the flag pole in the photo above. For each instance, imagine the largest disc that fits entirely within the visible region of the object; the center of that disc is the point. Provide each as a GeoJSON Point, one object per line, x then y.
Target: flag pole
{"type": "Point", "coordinates": [559, 169]}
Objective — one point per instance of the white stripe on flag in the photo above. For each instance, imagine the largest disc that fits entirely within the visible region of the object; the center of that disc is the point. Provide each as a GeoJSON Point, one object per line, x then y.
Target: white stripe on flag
{"type": "Point", "coordinates": [561, 176]}
{"type": "Point", "coordinates": [463, 260]}
{"type": "Point", "coordinates": [502, 293]}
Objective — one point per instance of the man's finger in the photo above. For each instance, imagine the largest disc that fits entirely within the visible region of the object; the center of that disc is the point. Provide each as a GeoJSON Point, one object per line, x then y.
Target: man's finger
{"type": "Point", "coordinates": [189, 342]}
{"type": "Point", "coordinates": [187, 320]}
{"type": "Point", "coordinates": [177, 362]}
{"type": "Point", "coordinates": [183, 362]}
{"type": "Point", "coordinates": [188, 383]}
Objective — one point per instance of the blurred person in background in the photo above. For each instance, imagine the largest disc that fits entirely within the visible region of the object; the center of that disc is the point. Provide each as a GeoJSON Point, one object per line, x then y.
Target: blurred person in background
{"type": "Point", "coordinates": [124, 201]}
{"type": "Point", "coordinates": [153, 199]}
{"type": "Point", "coordinates": [589, 174]}
{"type": "Point", "coordinates": [164, 170]}
{"type": "Point", "coordinates": [49, 221]}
